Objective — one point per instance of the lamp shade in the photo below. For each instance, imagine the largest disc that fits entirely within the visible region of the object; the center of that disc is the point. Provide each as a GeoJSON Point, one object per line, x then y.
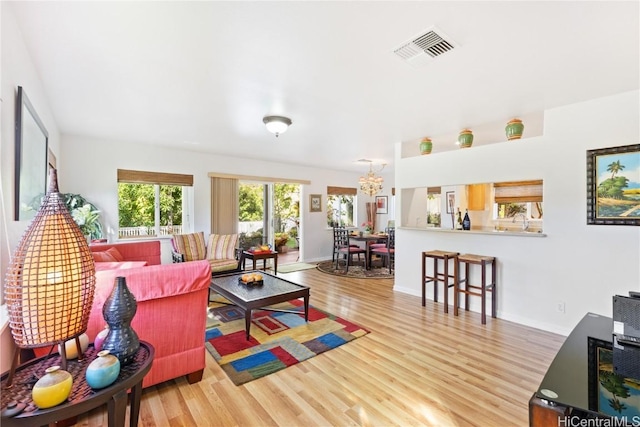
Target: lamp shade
{"type": "Point", "coordinates": [277, 124]}
{"type": "Point", "coordinates": [50, 281]}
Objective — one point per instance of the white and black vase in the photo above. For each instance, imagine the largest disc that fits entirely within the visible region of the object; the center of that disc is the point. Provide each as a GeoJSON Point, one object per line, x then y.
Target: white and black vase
{"type": "Point", "coordinates": [118, 311]}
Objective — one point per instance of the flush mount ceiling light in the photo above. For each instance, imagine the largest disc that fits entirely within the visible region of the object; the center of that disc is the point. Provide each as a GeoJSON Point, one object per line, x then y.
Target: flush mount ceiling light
{"type": "Point", "coordinates": [277, 124]}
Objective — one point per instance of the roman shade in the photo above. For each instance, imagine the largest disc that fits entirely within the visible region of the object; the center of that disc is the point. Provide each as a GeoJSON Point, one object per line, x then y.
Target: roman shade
{"type": "Point", "coordinates": [341, 191]}
{"type": "Point", "coordinates": [159, 178]}
{"type": "Point", "coordinates": [518, 191]}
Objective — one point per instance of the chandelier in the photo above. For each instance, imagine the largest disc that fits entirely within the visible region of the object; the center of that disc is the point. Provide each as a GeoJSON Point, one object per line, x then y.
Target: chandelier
{"type": "Point", "coordinates": [371, 184]}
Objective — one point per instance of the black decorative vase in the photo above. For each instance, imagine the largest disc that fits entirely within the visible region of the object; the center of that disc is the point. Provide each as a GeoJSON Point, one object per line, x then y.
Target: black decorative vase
{"type": "Point", "coordinates": [118, 311]}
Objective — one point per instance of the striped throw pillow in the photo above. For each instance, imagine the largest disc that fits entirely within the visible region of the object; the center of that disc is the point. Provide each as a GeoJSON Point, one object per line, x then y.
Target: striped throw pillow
{"type": "Point", "coordinates": [222, 246]}
{"type": "Point", "coordinates": [191, 245]}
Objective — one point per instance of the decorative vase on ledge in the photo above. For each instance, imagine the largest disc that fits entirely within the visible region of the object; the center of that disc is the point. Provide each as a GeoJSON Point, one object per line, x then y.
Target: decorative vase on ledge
{"type": "Point", "coordinates": [514, 129]}
{"type": "Point", "coordinates": [425, 146]}
{"type": "Point", "coordinates": [465, 138]}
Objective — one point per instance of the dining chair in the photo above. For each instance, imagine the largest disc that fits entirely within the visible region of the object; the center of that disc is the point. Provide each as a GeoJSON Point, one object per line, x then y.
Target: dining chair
{"type": "Point", "coordinates": [336, 244]}
{"type": "Point", "coordinates": [388, 252]}
{"type": "Point", "coordinates": [382, 243]}
{"type": "Point", "coordinates": [341, 238]}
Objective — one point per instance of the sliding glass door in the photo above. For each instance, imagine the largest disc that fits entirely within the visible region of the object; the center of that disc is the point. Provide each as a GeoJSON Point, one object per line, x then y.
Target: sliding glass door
{"type": "Point", "coordinates": [269, 214]}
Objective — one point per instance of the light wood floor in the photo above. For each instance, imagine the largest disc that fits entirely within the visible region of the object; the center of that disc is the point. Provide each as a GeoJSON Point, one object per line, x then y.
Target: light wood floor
{"type": "Point", "coordinates": [418, 366]}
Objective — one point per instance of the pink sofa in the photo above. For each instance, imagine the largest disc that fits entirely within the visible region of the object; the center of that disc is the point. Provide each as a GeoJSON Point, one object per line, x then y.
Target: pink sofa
{"type": "Point", "coordinates": [172, 308]}
{"type": "Point", "coordinates": [172, 313]}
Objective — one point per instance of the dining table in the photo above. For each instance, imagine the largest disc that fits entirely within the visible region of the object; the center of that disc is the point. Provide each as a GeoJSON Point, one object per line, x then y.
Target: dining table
{"type": "Point", "coordinates": [368, 240]}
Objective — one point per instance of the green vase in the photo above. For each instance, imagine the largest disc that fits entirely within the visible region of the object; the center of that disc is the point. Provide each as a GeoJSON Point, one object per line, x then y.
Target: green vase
{"type": "Point", "coordinates": [425, 146]}
{"type": "Point", "coordinates": [514, 129]}
{"type": "Point", "coordinates": [465, 138]}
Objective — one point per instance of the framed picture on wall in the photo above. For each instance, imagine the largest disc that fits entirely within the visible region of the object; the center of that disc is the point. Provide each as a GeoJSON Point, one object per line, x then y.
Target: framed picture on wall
{"type": "Point", "coordinates": [381, 205]}
{"type": "Point", "coordinates": [451, 201]}
{"type": "Point", "coordinates": [613, 185]}
{"type": "Point", "coordinates": [31, 164]}
{"type": "Point", "coordinates": [315, 203]}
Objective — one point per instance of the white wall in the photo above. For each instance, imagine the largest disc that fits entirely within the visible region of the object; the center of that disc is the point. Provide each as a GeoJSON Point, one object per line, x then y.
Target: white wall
{"type": "Point", "coordinates": [88, 167]}
{"type": "Point", "coordinates": [579, 264]}
{"type": "Point", "coordinates": [17, 70]}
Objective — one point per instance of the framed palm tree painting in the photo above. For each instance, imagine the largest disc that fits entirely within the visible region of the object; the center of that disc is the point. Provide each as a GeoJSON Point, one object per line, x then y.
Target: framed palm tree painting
{"type": "Point", "coordinates": [613, 185]}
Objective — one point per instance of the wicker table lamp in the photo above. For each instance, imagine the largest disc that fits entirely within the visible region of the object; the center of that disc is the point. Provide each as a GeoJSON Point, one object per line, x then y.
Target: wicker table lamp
{"type": "Point", "coordinates": [50, 280]}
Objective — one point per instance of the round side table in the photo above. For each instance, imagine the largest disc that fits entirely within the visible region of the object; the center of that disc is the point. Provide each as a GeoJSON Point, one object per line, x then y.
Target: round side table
{"type": "Point", "coordinates": [82, 397]}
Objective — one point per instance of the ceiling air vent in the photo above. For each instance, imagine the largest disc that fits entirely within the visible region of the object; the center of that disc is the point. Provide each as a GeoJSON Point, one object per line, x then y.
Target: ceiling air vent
{"type": "Point", "coordinates": [424, 47]}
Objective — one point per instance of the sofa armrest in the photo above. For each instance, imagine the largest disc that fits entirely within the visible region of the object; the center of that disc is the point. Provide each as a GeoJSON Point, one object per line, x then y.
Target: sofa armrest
{"type": "Point", "coordinates": [155, 281]}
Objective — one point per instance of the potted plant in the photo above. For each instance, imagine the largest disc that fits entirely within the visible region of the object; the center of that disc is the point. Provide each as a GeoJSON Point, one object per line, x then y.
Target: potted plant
{"type": "Point", "coordinates": [85, 214]}
{"type": "Point", "coordinates": [368, 227]}
{"type": "Point", "coordinates": [281, 240]}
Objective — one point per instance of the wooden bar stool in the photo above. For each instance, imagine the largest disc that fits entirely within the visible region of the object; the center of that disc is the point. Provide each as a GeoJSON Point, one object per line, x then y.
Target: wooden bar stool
{"type": "Point", "coordinates": [439, 277]}
{"type": "Point", "coordinates": [483, 288]}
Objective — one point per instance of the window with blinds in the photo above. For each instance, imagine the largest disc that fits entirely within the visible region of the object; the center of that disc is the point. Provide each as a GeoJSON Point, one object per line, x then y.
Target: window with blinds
{"type": "Point", "coordinates": [434, 202]}
{"type": "Point", "coordinates": [152, 204]}
{"type": "Point", "coordinates": [340, 206]}
{"type": "Point", "coordinates": [518, 191]}
{"type": "Point", "coordinates": [518, 197]}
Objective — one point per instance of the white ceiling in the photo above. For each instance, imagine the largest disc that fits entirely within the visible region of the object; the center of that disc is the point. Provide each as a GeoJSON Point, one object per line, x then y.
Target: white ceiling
{"type": "Point", "coordinates": [201, 75]}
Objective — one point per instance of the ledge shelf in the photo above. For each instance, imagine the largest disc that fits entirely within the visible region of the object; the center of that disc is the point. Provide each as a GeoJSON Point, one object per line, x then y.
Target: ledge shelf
{"type": "Point", "coordinates": [487, 133]}
{"type": "Point", "coordinates": [490, 232]}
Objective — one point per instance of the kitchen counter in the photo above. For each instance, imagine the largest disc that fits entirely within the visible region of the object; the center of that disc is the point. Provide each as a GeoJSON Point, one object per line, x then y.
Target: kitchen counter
{"type": "Point", "coordinates": [489, 231]}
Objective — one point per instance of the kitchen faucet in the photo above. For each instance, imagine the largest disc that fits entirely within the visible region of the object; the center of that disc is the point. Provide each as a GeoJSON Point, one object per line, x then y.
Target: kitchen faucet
{"type": "Point", "coordinates": [525, 222]}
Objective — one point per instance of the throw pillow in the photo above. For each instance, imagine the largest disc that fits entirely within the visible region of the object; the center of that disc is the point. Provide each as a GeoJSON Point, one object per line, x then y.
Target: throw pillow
{"type": "Point", "coordinates": [222, 246]}
{"type": "Point", "coordinates": [103, 257]}
{"type": "Point", "coordinates": [115, 253]}
{"type": "Point", "coordinates": [190, 245]}
{"type": "Point", "coordinates": [110, 255]}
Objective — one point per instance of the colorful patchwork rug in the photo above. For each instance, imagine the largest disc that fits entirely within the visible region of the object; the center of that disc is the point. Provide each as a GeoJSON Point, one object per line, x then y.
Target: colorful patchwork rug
{"type": "Point", "coordinates": [277, 339]}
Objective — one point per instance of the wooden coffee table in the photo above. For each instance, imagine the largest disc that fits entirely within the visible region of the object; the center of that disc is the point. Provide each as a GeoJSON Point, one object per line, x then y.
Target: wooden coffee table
{"type": "Point", "coordinates": [250, 297]}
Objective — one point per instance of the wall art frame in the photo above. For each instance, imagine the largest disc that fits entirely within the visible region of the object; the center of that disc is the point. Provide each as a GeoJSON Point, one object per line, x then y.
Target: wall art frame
{"type": "Point", "coordinates": [382, 205]}
{"type": "Point", "coordinates": [315, 203]}
{"type": "Point", "coordinates": [613, 185]}
{"type": "Point", "coordinates": [31, 163]}
{"type": "Point", "coordinates": [451, 201]}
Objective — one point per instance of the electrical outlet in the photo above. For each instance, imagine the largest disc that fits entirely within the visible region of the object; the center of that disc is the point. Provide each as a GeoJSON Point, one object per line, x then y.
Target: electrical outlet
{"type": "Point", "coordinates": [560, 307]}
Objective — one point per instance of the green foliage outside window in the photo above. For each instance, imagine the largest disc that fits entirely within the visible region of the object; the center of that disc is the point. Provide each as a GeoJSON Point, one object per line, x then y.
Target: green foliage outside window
{"type": "Point", "coordinates": [509, 210]}
{"type": "Point", "coordinates": [340, 210]}
{"type": "Point", "coordinates": [250, 199]}
{"type": "Point", "coordinates": [136, 205]}
{"type": "Point", "coordinates": [286, 208]}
